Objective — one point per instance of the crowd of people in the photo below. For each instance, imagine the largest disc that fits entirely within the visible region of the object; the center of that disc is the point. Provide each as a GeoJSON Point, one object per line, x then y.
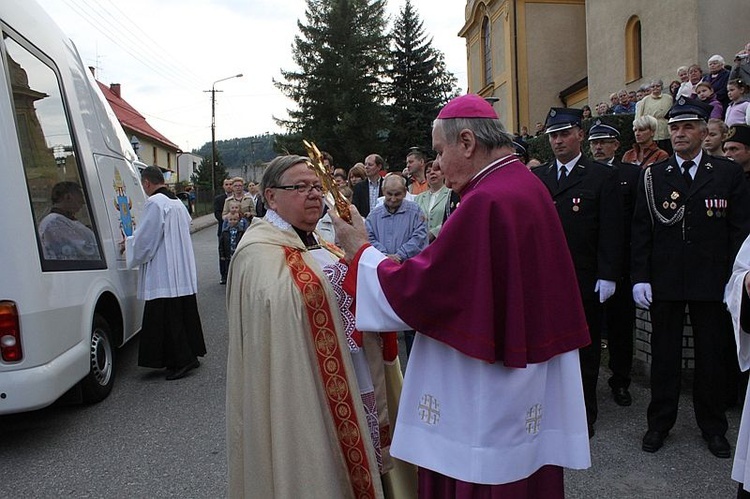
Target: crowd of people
{"type": "Point", "coordinates": [725, 87]}
{"type": "Point", "coordinates": [561, 254]}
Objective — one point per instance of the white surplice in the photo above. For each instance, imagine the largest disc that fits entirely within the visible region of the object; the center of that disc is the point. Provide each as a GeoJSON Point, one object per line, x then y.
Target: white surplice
{"type": "Point", "coordinates": [733, 298]}
{"type": "Point", "coordinates": [475, 421]}
{"type": "Point", "coordinates": [162, 247]}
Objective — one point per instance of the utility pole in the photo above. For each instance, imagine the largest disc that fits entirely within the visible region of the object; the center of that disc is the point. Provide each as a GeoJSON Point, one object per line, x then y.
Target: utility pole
{"type": "Point", "coordinates": [213, 130]}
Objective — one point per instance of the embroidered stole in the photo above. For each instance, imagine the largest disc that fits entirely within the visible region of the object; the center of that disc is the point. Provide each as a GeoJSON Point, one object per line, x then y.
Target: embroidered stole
{"type": "Point", "coordinates": [331, 366]}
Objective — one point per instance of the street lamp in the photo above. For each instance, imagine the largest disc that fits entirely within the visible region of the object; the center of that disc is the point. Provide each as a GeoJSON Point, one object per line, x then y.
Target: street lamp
{"type": "Point", "coordinates": [213, 130]}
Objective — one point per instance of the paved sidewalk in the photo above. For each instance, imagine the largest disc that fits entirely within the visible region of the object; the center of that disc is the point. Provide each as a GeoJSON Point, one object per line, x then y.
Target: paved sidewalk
{"type": "Point", "coordinates": [200, 223]}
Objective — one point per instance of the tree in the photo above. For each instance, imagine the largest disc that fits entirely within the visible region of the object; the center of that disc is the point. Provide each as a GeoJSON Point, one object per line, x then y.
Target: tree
{"type": "Point", "coordinates": [341, 53]}
{"type": "Point", "coordinates": [202, 175]}
{"type": "Point", "coordinates": [419, 85]}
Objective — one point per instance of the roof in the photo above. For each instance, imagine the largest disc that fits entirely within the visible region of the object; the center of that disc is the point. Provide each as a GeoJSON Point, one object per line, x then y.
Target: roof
{"type": "Point", "coordinates": [133, 120]}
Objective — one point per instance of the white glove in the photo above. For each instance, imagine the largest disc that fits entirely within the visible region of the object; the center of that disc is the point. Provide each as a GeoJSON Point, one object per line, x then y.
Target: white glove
{"type": "Point", "coordinates": [605, 289]}
{"type": "Point", "coordinates": [642, 294]}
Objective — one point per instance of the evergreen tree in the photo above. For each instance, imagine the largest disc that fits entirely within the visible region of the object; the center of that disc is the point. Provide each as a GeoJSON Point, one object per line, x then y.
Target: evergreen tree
{"type": "Point", "coordinates": [419, 86]}
{"type": "Point", "coordinates": [341, 53]}
{"type": "Point", "coordinates": [202, 175]}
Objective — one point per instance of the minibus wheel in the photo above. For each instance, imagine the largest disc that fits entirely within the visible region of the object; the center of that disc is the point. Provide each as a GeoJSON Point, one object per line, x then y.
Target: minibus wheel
{"type": "Point", "coordinates": [101, 377]}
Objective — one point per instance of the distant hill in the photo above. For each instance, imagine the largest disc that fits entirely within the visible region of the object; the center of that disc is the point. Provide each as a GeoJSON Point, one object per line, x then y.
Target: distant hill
{"type": "Point", "coordinates": [240, 152]}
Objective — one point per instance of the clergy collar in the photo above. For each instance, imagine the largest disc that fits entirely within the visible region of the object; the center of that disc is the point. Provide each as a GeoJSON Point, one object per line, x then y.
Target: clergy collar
{"type": "Point", "coordinates": [275, 219]}
{"type": "Point", "coordinates": [166, 192]}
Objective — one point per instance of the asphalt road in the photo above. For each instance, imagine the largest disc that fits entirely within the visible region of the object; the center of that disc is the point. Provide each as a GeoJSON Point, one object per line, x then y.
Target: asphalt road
{"type": "Point", "coordinates": [154, 438]}
{"type": "Point", "coordinates": [150, 438]}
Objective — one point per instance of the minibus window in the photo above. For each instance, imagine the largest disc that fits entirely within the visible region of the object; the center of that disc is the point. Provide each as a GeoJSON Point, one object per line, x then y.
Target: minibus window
{"type": "Point", "coordinates": [67, 236]}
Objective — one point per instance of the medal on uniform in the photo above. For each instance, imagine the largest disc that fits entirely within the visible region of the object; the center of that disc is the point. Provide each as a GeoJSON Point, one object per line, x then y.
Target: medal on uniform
{"type": "Point", "coordinates": [675, 195]}
{"type": "Point", "coordinates": [709, 205]}
{"type": "Point", "coordinates": [576, 202]}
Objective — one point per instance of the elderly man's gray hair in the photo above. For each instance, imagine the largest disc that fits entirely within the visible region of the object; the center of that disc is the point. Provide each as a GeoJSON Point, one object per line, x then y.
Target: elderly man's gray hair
{"type": "Point", "coordinates": [394, 178]}
{"type": "Point", "coordinates": [489, 133]}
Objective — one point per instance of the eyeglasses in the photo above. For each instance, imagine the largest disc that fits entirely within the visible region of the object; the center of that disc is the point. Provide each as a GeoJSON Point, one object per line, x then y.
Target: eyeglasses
{"type": "Point", "coordinates": [301, 188]}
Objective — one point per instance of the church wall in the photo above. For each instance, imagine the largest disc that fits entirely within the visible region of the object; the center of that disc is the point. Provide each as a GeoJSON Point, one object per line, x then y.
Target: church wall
{"type": "Point", "coordinates": [723, 28]}
{"type": "Point", "coordinates": [669, 41]}
{"type": "Point", "coordinates": [552, 54]}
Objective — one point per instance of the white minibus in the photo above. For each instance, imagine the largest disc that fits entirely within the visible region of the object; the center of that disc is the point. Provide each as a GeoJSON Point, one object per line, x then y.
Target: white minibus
{"type": "Point", "coordinates": [69, 193]}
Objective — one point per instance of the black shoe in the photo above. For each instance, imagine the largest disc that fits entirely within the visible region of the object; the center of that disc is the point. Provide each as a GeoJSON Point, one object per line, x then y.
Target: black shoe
{"type": "Point", "coordinates": [223, 281]}
{"type": "Point", "coordinates": [181, 372]}
{"type": "Point", "coordinates": [592, 431]}
{"type": "Point", "coordinates": [622, 396]}
{"type": "Point", "coordinates": [653, 440]}
{"type": "Point", "coordinates": [718, 445]}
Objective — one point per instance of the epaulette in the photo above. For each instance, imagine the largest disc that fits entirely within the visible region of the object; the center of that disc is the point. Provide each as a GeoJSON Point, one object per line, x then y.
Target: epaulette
{"type": "Point", "coordinates": [542, 166]}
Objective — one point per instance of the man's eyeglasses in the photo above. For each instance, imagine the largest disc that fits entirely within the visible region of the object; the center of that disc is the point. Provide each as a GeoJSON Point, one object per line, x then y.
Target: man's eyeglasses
{"type": "Point", "coordinates": [301, 188]}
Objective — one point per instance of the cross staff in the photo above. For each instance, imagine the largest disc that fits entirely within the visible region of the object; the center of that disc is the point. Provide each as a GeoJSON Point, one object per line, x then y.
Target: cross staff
{"type": "Point", "coordinates": [331, 192]}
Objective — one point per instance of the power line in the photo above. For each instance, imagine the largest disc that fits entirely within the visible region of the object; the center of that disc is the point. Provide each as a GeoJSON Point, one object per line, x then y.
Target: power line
{"type": "Point", "coordinates": [153, 43]}
{"type": "Point", "coordinates": [89, 19]}
{"type": "Point", "coordinates": [128, 39]}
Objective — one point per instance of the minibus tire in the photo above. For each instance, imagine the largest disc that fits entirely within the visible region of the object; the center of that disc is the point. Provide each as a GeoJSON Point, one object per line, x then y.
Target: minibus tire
{"type": "Point", "coordinates": [98, 383]}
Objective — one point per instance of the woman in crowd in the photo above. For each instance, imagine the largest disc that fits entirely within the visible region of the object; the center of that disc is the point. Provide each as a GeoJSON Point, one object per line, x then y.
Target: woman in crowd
{"type": "Point", "coordinates": [645, 152]}
{"type": "Point", "coordinates": [657, 104]}
{"type": "Point", "coordinates": [357, 174]}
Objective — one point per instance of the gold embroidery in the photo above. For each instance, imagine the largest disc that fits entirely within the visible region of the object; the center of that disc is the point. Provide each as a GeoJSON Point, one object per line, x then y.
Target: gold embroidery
{"type": "Point", "coordinates": [330, 363]}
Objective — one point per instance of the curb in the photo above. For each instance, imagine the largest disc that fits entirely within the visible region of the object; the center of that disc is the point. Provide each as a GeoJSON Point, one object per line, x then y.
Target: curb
{"type": "Point", "coordinates": [201, 223]}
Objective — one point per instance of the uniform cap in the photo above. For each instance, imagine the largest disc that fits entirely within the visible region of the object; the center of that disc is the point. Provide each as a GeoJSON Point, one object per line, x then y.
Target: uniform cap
{"type": "Point", "coordinates": [601, 131]}
{"type": "Point", "coordinates": [686, 109]}
{"type": "Point", "coordinates": [468, 106]}
{"type": "Point", "coordinates": [562, 118]}
{"type": "Point", "coordinates": [738, 133]}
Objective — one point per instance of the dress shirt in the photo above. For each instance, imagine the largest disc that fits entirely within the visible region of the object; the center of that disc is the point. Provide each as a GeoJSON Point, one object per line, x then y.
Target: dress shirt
{"type": "Point", "coordinates": [403, 233]}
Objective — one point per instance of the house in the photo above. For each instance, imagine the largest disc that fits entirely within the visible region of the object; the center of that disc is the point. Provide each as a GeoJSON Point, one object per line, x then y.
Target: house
{"type": "Point", "coordinates": [187, 165]}
{"type": "Point", "coordinates": [531, 55]}
{"type": "Point", "coordinates": [152, 147]}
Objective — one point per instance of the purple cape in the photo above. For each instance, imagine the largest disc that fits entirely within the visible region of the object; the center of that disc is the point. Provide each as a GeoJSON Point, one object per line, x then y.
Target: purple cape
{"type": "Point", "coordinates": [498, 284]}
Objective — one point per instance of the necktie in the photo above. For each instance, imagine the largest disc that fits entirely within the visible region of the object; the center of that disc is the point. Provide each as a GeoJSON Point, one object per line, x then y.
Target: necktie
{"type": "Point", "coordinates": [563, 175]}
{"type": "Point", "coordinates": [686, 166]}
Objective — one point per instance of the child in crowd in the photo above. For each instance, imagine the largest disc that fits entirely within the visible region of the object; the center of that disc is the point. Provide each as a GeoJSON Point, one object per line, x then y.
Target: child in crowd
{"type": "Point", "coordinates": [738, 110]}
{"type": "Point", "coordinates": [717, 131]}
{"type": "Point", "coordinates": [706, 93]}
{"type": "Point", "coordinates": [234, 208]}
{"type": "Point", "coordinates": [230, 238]}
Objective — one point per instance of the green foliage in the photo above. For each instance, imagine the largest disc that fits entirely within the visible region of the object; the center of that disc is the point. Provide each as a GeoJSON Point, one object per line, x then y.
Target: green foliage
{"type": "Point", "coordinates": [539, 147]}
{"type": "Point", "coordinates": [419, 85]}
{"type": "Point", "coordinates": [237, 152]}
{"type": "Point", "coordinates": [202, 175]}
{"type": "Point", "coordinates": [341, 53]}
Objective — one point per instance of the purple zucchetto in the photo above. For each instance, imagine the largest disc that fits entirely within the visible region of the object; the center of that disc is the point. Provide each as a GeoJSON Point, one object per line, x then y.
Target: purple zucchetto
{"type": "Point", "coordinates": [468, 106]}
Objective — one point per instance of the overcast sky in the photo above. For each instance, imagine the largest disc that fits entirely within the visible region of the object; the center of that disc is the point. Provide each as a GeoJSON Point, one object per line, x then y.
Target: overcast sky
{"type": "Point", "coordinates": [166, 53]}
